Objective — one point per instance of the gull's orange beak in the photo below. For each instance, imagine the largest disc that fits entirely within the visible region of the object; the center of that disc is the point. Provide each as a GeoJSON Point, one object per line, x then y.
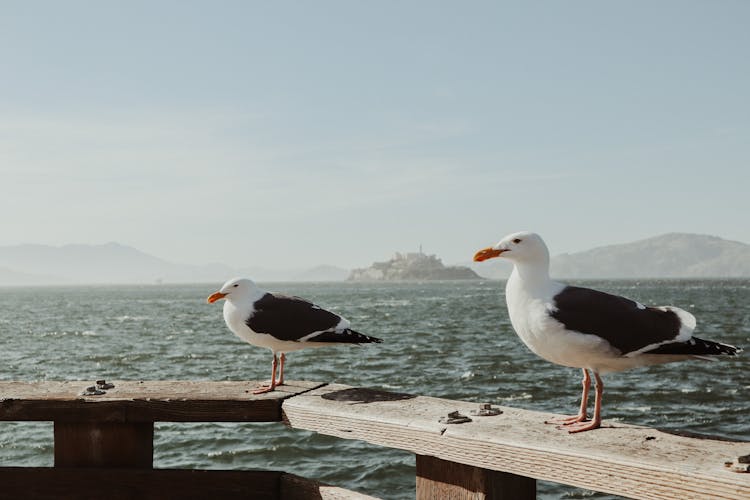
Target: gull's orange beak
{"type": "Point", "coordinates": [487, 253]}
{"type": "Point", "coordinates": [215, 296]}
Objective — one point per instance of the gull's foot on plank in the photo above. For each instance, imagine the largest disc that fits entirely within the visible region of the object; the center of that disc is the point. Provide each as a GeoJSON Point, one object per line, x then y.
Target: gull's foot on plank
{"type": "Point", "coordinates": [582, 426]}
{"type": "Point", "coordinates": [264, 388]}
{"type": "Point", "coordinates": [573, 419]}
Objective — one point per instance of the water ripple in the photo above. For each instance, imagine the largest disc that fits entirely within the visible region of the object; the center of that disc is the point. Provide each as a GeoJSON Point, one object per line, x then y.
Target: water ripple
{"type": "Point", "coordinates": [451, 340]}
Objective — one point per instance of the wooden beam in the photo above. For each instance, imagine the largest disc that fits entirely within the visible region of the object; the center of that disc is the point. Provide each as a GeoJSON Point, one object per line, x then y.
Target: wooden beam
{"type": "Point", "coordinates": [109, 444]}
{"type": "Point", "coordinates": [294, 487]}
{"type": "Point", "coordinates": [149, 401]}
{"type": "Point", "coordinates": [453, 481]}
{"type": "Point", "coordinates": [41, 483]}
{"type": "Point", "coordinates": [626, 460]}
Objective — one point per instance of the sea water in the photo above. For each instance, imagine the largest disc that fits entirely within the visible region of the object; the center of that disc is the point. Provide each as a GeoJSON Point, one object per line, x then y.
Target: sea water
{"type": "Point", "coordinates": [443, 339]}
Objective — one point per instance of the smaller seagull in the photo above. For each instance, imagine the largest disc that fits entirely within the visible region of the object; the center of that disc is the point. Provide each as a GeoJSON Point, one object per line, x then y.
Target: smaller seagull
{"type": "Point", "coordinates": [281, 323]}
{"type": "Point", "coordinates": [587, 329]}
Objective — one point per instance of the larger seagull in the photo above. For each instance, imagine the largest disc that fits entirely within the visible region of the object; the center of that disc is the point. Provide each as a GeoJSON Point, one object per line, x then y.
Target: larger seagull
{"type": "Point", "coordinates": [589, 329]}
{"type": "Point", "coordinates": [281, 323]}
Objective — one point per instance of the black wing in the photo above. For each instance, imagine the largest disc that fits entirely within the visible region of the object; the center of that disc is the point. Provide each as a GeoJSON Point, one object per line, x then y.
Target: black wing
{"type": "Point", "coordinates": [294, 318]}
{"type": "Point", "coordinates": [697, 347]}
{"type": "Point", "coordinates": [625, 324]}
{"type": "Point", "coordinates": [290, 318]}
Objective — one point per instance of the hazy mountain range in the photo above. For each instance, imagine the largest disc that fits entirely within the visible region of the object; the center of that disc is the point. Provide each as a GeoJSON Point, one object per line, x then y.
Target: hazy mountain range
{"type": "Point", "coordinates": [668, 256]}
{"type": "Point", "coordinates": [116, 263]}
{"type": "Point", "coordinates": [672, 255]}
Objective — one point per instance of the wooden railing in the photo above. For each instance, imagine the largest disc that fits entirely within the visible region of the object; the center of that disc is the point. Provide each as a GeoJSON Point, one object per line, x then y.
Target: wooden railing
{"type": "Point", "coordinates": [104, 445]}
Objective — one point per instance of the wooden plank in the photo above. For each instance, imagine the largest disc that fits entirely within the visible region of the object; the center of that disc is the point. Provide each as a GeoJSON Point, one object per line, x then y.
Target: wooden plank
{"type": "Point", "coordinates": [138, 484]}
{"type": "Point", "coordinates": [294, 487]}
{"type": "Point", "coordinates": [632, 461]}
{"type": "Point", "coordinates": [109, 444]}
{"type": "Point", "coordinates": [43, 483]}
{"type": "Point", "coordinates": [145, 401]}
{"type": "Point", "coordinates": [438, 478]}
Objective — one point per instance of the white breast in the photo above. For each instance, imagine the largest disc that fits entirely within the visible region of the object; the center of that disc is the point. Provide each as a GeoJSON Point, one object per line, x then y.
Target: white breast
{"type": "Point", "coordinates": [235, 318]}
{"type": "Point", "coordinates": [546, 337]}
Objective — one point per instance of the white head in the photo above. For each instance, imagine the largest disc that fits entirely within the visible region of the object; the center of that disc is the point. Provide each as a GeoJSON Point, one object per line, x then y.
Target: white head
{"type": "Point", "coordinates": [523, 247]}
{"type": "Point", "coordinates": [237, 290]}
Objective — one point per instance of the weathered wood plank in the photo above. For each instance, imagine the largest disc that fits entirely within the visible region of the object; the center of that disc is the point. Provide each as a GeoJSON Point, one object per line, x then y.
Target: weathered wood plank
{"type": "Point", "coordinates": [110, 444]}
{"type": "Point", "coordinates": [627, 460]}
{"type": "Point", "coordinates": [453, 481]}
{"type": "Point", "coordinates": [145, 401]}
{"type": "Point", "coordinates": [41, 483]}
{"type": "Point", "coordinates": [294, 487]}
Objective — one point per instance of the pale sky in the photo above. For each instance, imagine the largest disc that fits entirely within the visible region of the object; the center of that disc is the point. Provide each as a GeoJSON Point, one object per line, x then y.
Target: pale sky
{"type": "Point", "coordinates": [290, 134]}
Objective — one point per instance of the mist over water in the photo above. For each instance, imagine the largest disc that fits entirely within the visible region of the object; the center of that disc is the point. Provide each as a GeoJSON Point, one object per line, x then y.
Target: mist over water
{"type": "Point", "coordinates": [443, 339]}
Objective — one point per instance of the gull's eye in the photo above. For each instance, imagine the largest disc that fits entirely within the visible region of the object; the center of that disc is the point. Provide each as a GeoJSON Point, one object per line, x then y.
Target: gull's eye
{"type": "Point", "coordinates": [517, 241]}
{"type": "Point", "coordinates": [236, 285]}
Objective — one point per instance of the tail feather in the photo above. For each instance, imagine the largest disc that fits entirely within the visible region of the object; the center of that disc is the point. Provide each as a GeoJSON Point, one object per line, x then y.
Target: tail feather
{"type": "Point", "coordinates": [697, 347]}
{"type": "Point", "coordinates": [346, 336]}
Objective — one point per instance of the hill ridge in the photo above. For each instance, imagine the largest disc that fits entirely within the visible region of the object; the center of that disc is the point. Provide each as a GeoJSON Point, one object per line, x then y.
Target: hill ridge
{"type": "Point", "coordinates": [669, 255]}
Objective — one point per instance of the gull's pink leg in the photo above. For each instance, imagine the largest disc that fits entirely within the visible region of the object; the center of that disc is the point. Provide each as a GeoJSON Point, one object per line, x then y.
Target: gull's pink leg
{"type": "Point", "coordinates": [269, 388]}
{"type": "Point", "coordinates": [596, 421]}
{"type": "Point", "coordinates": [282, 358]}
{"type": "Point", "coordinates": [581, 417]}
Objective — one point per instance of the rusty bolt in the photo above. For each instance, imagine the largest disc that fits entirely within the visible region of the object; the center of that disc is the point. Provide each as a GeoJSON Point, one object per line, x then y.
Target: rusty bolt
{"type": "Point", "coordinates": [92, 391]}
{"type": "Point", "coordinates": [102, 384]}
{"type": "Point", "coordinates": [486, 410]}
{"type": "Point", "coordinates": [454, 417]}
{"type": "Point", "coordinates": [739, 464]}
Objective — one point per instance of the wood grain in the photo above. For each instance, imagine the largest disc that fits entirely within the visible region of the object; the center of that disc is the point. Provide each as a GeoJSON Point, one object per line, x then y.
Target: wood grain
{"type": "Point", "coordinates": [631, 461]}
{"type": "Point", "coordinates": [41, 483]}
{"type": "Point", "coordinates": [438, 478]}
{"type": "Point", "coordinates": [294, 487]}
{"type": "Point", "coordinates": [109, 444]}
{"type": "Point", "coordinates": [145, 401]}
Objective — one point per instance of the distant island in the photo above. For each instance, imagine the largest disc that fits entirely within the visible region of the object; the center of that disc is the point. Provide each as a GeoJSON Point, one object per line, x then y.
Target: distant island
{"type": "Point", "coordinates": [673, 255]}
{"type": "Point", "coordinates": [412, 266]}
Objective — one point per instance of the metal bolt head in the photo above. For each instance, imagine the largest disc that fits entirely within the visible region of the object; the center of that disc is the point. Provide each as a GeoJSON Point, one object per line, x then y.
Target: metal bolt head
{"type": "Point", "coordinates": [486, 410]}
{"type": "Point", "coordinates": [454, 417]}
{"type": "Point", "coordinates": [739, 464]}
{"type": "Point", "coordinates": [102, 384]}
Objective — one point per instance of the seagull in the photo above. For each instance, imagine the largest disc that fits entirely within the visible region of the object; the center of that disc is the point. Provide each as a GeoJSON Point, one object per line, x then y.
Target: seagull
{"type": "Point", "coordinates": [281, 323]}
{"type": "Point", "coordinates": [588, 329]}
